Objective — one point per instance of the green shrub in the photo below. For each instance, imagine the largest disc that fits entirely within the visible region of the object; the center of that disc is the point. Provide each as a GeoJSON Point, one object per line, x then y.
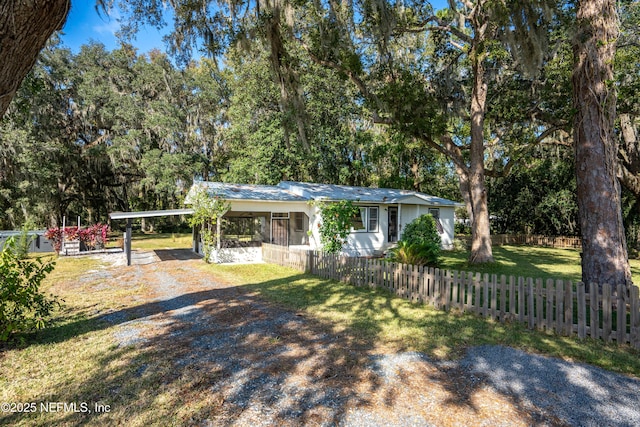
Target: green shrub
{"type": "Point", "coordinates": [337, 219]}
{"type": "Point", "coordinates": [416, 254]}
{"type": "Point", "coordinates": [23, 308]}
{"type": "Point", "coordinates": [422, 230]}
{"type": "Point", "coordinates": [420, 243]}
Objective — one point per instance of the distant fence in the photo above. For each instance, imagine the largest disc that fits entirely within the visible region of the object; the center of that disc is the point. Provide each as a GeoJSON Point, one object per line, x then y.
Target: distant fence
{"type": "Point", "coordinates": [529, 240]}
{"type": "Point", "coordinates": [37, 241]}
{"type": "Point", "coordinates": [564, 307]}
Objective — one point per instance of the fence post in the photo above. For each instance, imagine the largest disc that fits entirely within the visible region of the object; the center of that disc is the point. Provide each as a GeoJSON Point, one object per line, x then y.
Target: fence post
{"type": "Point", "coordinates": [568, 308]}
{"type": "Point", "coordinates": [582, 310]}
{"type": "Point", "coordinates": [448, 285]}
{"type": "Point", "coordinates": [606, 312]}
{"type": "Point", "coordinates": [469, 301]}
{"type": "Point", "coordinates": [485, 295]}
{"type": "Point", "coordinates": [420, 283]}
{"type": "Point", "coordinates": [415, 283]}
{"type": "Point", "coordinates": [453, 300]}
{"type": "Point", "coordinates": [594, 303]}
{"type": "Point", "coordinates": [309, 266]}
{"type": "Point", "coordinates": [436, 288]}
{"type": "Point", "coordinates": [621, 314]}
{"type": "Point", "coordinates": [503, 297]}
{"type": "Point", "coordinates": [477, 284]}
{"type": "Point", "coordinates": [549, 306]}
{"type": "Point", "coordinates": [430, 280]}
{"type": "Point", "coordinates": [531, 297]}
{"type": "Point", "coordinates": [559, 324]}
{"type": "Point", "coordinates": [635, 317]}
{"type": "Point", "coordinates": [512, 296]}
{"type": "Point", "coordinates": [494, 296]}
{"type": "Point", "coordinates": [521, 299]}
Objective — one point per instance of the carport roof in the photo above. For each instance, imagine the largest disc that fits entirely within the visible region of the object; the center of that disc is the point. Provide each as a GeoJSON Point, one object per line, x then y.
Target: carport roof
{"type": "Point", "coordinates": [149, 214]}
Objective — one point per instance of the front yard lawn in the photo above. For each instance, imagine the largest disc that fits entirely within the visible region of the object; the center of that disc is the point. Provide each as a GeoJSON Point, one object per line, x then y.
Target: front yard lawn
{"type": "Point", "coordinates": [82, 359]}
{"type": "Point", "coordinates": [528, 261]}
{"type": "Point", "coordinates": [394, 324]}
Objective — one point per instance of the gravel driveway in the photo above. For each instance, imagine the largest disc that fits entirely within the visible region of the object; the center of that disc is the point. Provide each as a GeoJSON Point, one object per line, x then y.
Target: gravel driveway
{"type": "Point", "coordinates": [263, 365]}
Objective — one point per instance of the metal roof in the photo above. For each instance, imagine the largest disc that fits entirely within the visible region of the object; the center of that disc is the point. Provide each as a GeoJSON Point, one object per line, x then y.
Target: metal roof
{"type": "Point", "coordinates": [360, 194]}
{"type": "Point", "coordinates": [290, 191]}
{"type": "Point", "coordinates": [232, 192]}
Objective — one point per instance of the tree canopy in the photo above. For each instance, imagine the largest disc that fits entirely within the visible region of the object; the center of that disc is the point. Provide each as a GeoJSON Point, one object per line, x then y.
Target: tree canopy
{"type": "Point", "coordinates": [479, 102]}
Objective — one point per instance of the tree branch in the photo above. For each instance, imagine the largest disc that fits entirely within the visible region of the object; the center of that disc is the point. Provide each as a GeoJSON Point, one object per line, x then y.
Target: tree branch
{"type": "Point", "coordinates": [440, 25]}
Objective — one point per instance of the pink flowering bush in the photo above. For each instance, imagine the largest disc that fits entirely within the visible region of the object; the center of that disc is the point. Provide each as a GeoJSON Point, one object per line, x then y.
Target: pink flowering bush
{"type": "Point", "coordinates": [93, 237]}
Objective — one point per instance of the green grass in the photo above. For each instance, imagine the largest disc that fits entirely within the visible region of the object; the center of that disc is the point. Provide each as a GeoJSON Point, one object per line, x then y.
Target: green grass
{"type": "Point", "coordinates": [527, 261]}
{"type": "Point", "coordinates": [392, 324]}
{"type": "Point", "coordinates": [78, 360]}
{"type": "Point", "coordinates": [151, 241]}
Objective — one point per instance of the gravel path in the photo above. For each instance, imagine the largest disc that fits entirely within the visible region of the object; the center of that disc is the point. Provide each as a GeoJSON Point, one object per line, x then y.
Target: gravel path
{"type": "Point", "coordinates": [263, 365]}
{"type": "Point", "coordinates": [577, 393]}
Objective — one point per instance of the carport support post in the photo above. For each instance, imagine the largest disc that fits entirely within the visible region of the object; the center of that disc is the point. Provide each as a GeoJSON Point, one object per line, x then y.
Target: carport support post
{"type": "Point", "coordinates": [127, 241]}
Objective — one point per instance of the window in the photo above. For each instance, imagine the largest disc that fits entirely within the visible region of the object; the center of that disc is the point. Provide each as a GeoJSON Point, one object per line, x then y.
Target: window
{"type": "Point", "coordinates": [373, 219]}
{"type": "Point", "coordinates": [242, 228]}
{"type": "Point", "coordinates": [298, 221]}
{"type": "Point", "coordinates": [435, 213]}
{"type": "Point", "coordinates": [366, 220]}
{"type": "Point", "coordinates": [360, 221]}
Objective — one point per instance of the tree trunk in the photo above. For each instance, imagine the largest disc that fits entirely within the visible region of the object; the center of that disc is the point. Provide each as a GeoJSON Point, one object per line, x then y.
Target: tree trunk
{"type": "Point", "coordinates": [25, 27]}
{"type": "Point", "coordinates": [463, 181]}
{"type": "Point", "coordinates": [603, 241]}
{"type": "Point", "coordinates": [480, 231]}
{"type": "Point", "coordinates": [629, 156]}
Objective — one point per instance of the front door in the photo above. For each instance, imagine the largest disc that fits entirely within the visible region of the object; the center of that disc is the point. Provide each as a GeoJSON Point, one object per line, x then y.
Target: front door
{"type": "Point", "coordinates": [280, 232]}
{"type": "Point", "coordinates": [392, 234]}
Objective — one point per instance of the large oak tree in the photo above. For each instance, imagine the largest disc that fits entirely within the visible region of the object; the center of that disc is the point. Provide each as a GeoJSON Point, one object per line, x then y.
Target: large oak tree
{"type": "Point", "coordinates": [604, 248]}
{"type": "Point", "coordinates": [25, 27]}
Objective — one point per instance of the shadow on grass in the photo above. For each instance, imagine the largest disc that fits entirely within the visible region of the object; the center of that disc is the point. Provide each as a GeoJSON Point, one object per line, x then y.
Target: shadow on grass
{"type": "Point", "coordinates": [228, 355]}
{"type": "Point", "coordinates": [218, 355]}
{"type": "Point", "coordinates": [525, 261]}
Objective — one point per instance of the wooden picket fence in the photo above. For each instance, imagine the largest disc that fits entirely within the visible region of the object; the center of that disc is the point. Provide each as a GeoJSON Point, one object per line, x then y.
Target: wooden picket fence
{"type": "Point", "coordinates": [530, 240]}
{"type": "Point", "coordinates": [565, 307]}
{"type": "Point", "coordinates": [299, 259]}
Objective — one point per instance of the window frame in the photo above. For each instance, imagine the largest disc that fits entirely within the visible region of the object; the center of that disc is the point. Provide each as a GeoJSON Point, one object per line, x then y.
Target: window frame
{"type": "Point", "coordinates": [280, 215]}
{"type": "Point", "coordinates": [298, 222]}
{"type": "Point", "coordinates": [366, 221]}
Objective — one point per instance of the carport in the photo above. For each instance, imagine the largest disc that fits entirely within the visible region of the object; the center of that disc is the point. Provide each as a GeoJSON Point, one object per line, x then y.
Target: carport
{"type": "Point", "coordinates": [142, 214]}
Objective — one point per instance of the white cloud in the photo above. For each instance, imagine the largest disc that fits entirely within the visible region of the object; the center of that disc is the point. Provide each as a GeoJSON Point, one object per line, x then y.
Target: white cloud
{"type": "Point", "coordinates": [110, 24]}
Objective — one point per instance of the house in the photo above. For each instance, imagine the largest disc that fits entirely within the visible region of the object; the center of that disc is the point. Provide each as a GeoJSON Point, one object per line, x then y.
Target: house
{"type": "Point", "coordinates": [285, 215]}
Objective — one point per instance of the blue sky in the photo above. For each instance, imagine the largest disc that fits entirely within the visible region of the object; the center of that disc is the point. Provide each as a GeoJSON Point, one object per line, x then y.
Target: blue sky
{"type": "Point", "coordinates": [84, 24]}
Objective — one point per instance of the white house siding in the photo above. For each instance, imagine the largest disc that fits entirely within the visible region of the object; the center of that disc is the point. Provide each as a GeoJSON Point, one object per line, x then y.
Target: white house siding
{"type": "Point", "coordinates": [373, 243]}
{"type": "Point", "coordinates": [314, 226]}
{"type": "Point", "coordinates": [447, 221]}
{"type": "Point", "coordinates": [368, 243]}
{"type": "Point", "coordinates": [358, 243]}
